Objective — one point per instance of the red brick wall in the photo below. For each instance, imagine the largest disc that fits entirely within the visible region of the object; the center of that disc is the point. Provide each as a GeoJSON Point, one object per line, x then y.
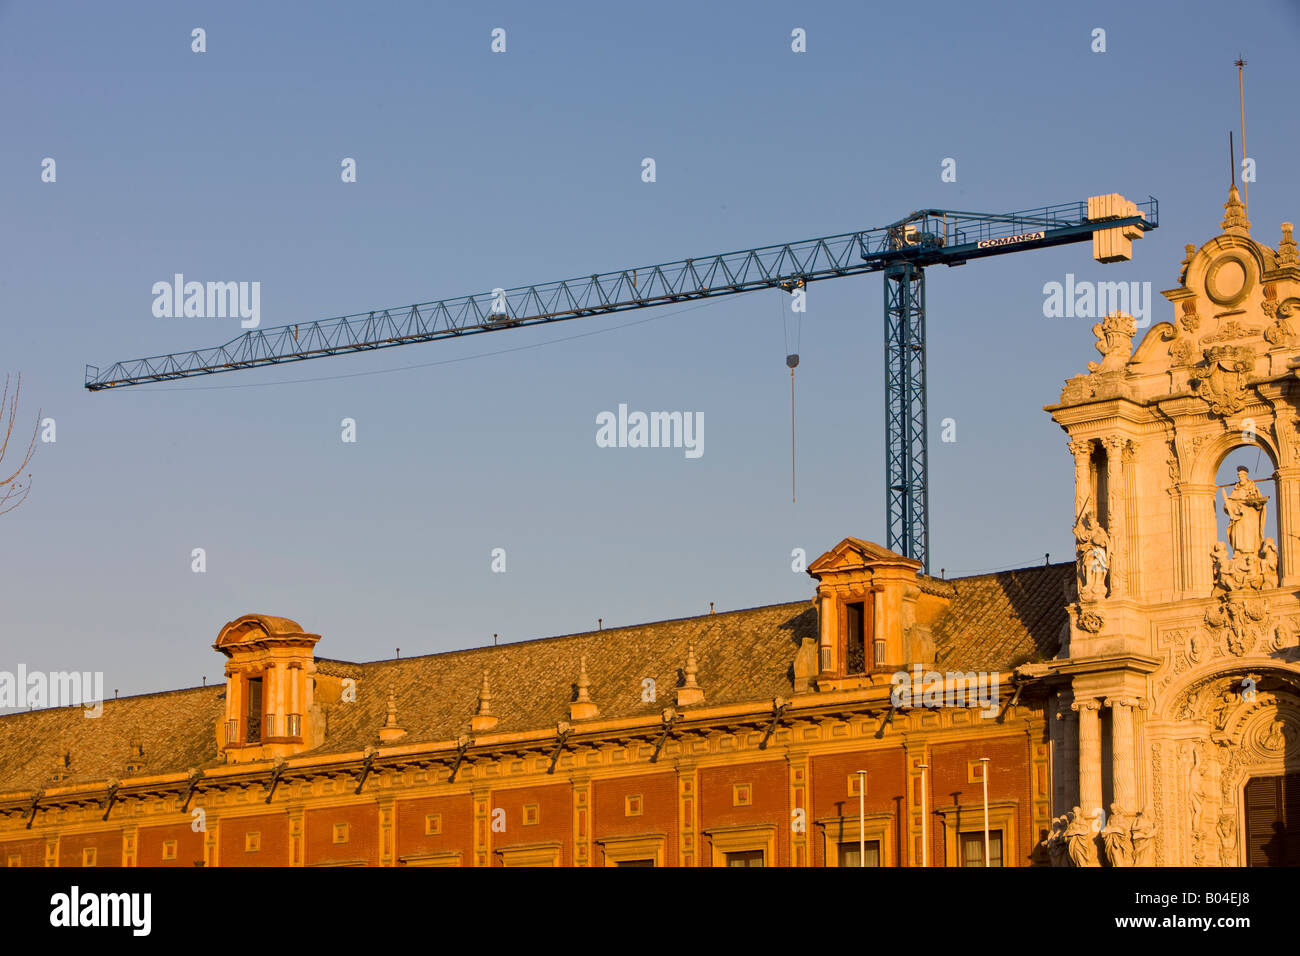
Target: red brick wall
{"type": "Point", "coordinates": [1008, 780]}
{"type": "Point", "coordinates": [108, 847]}
{"type": "Point", "coordinates": [149, 845]}
{"type": "Point", "coordinates": [32, 852]}
{"type": "Point", "coordinates": [274, 828]}
{"type": "Point", "coordinates": [770, 789]}
{"type": "Point", "coordinates": [457, 826]}
{"type": "Point", "coordinates": [886, 776]}
{"type": "Point", "coordinates": [555, 819]}
{"type": "Point", "coordinates": [363, 835]}
{"type": "Point", "coordinates": [658, 810]}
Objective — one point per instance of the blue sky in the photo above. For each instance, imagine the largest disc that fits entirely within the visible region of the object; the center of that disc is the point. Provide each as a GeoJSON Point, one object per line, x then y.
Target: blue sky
{"type": "Point", "coordinates": [477, 170]}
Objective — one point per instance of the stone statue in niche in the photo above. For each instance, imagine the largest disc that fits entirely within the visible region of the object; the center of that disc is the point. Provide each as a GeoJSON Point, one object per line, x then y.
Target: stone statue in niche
{"type": "Point", "coordinates": [1253, 563]}
{"type": "Point", "coordinates": [1092, 550]}
{"type": "Point", "coordinates": [1245, 510]}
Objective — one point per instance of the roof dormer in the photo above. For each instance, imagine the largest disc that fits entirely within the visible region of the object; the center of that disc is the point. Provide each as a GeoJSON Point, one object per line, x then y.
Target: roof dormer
{"type": "Point", "coordinates": [874, 611]}
{"type": "Point", "coordinates": [269, 688]}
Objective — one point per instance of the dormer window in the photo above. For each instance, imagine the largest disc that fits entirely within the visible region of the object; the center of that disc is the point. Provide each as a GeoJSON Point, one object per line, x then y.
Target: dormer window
{"type": "Point", "coordinates": [269, 688]}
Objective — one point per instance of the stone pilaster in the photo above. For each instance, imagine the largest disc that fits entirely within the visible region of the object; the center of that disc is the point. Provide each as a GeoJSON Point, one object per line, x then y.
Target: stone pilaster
{"type": "Point", "coordinates": [1065, 755]}
{"type": "Point", "coordinates": [800, 852]}
{"type": "Point", "coordinates": [482, 800]}
{"type": "Point", "coordinates": [1116, 522]}
{"type": "Point", "coordinates": [387, 842]}
{"type": "Point", "coordinates": [688, 850]}
{"type": "Point", "coordinates": [582, 840]}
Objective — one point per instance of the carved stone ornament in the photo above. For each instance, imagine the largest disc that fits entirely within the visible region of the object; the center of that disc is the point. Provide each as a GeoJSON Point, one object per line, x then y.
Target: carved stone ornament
{"type": "Point", "coordinates": [1238, 622]}
{"type": "Point", "coordinates": [1114, 341]}
{"type": "Point", "coordinates": [1223, 384]}
{"type": "Point", "coordinates": [1090, 621]}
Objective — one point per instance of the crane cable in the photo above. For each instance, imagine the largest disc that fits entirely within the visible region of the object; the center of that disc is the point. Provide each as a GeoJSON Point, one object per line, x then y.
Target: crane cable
{"type": "Point", "coordinates": [792, 362]}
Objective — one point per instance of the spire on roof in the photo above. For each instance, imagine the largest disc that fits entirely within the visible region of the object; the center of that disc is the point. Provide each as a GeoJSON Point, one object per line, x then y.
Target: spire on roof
{"type": "Point", "coordinates": [690, 692]}
{"type": "Point", "coordinates": [391, 731]}
{"type": "Point", "coordinates": [483, 719]}
{"type": "Point", "coordinates": [1235, 222]}
{"type": "Point", "coordinates": [582, 708]}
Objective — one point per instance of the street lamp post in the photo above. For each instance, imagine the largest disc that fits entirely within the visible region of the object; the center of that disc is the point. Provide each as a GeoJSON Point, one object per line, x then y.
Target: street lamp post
{"type": "Point", "coordinates": [984, 773]}
{"type": "Point", "coordinates": [862, 818]}
{"type": "Point", "coordinates": [925, 829]}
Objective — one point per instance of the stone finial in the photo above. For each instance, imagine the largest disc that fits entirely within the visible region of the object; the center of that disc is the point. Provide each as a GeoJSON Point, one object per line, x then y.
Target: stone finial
{"type": "Point", "coordinates": [1235, 222]}
{"type": "Point", "coordinates": [483, 719]}
{"type": "Point", "coordinates": [690, 692]}
{"type": "Point", "coordinates": [1287, 254]}
{"type": "Point", "coordinates": [1189, 251]}
{"type": "Point", "coordinates": [582, 708]}
{"type": "Point", "coordinates": [391, 731]}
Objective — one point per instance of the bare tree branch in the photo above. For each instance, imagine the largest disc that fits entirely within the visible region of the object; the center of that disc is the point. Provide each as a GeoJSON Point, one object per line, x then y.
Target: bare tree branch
{"type": "Point", "coordinates": [13, 491]}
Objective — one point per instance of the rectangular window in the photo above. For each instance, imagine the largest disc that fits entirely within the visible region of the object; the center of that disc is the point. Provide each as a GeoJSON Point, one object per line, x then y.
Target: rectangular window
{"type": "Point", "coordinates": [742, 795]}
{"type": "Point", "coordinates": [632, 805]}
{"type": "Point", "coordinates": [294, 726]}
{"type": "Point", "coordinates": [88, 856]}
{"type": "Point", "coordinates": [169, 850]}
{"type": "Point", "coordinates": [253, 713]}
{"type": "Point", "coordinates": [252, 841]}
{"type": "Point", "coordinates": [532, 814]}
{"type": "Point", "coordinates": [745, 858]}
{"type": "Point", "coordinates": [15, 859]}
{"type": "Point", "coordinates": [855, 658]}
{"type": "Point", "coordinates": [432, 824]}
{"type": "Point", "coordinates": [972, 848]}
{"type": "Point", "coordinates": [340, 833]}
{"type": "Point", "coordinates": [851, 853]}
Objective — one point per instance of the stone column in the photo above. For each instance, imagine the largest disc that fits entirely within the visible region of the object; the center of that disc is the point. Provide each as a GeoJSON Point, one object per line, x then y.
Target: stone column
{"type": "Point", "coordinates": [1288, 525]}
{"type": "Point", "coordinates": [1122, 765]}
{"type": "Point", "coordinates": [1116, 522]}
{"type": "Point", "coordinates": [1089, 755]}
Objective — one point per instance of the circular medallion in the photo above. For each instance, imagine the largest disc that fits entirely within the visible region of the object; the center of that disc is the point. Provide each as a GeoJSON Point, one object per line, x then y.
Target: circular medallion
{"type": "Point", "coordinates": [1228, 280]}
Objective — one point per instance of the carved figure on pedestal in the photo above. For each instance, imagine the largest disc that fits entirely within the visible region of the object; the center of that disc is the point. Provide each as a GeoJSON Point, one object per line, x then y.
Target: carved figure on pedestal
{"type": "Point", "coordinates": [1268, 562]}
{"type": "Point", "coordinates": [1057, 850]}
{"type": "Point", "coordinates": [1115, 836]}
{"type": "Point", "coordinates": [1144, 840]}
{"type": "Point", "coordinates": [1078, 837]}
{"type": "Point", "coordinates": [1245, 508]}
{"type": "Point", "coordinates": [1092, 550]}
{"type": "Point", "coordinates": [1227, 829]}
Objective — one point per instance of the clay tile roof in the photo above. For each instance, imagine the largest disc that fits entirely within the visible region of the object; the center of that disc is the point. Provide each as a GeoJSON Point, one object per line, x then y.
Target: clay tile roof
{"type": "Point", "coordinates": [999, 621]}
{"type": "Point", "coordinates": [995, 621]}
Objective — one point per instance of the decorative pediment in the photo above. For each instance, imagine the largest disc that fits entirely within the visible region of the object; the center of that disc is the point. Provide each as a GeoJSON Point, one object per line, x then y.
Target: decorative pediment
{"type": "Point", "coordinates": [854, 554]}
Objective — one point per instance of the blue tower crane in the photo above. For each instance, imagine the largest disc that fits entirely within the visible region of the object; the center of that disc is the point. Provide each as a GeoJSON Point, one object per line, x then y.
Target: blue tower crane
{"type": "Point", "coordinates": [900, 250]}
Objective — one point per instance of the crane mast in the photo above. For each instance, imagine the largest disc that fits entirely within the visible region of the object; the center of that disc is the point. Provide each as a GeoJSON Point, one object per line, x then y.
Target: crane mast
{"type": "Point", "coordinates": [901, 250]}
